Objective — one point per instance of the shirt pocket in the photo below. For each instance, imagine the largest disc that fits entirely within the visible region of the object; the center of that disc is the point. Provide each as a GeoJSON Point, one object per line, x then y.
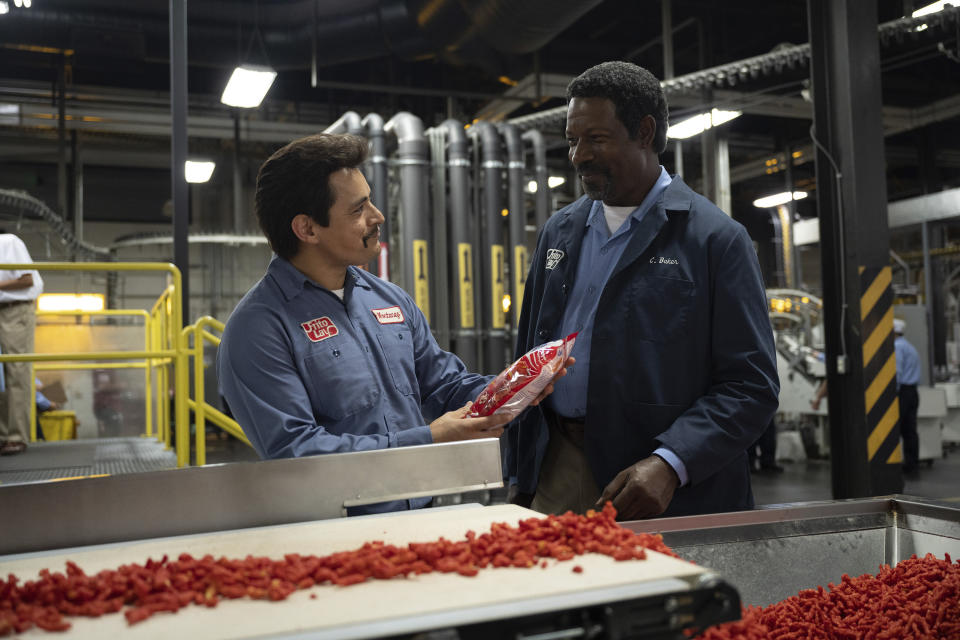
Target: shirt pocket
{"type": "Point", "coordinates": [397, 347]}
{"type": "Point", "coordinates": [659, 309]}
{"type": "Point", "coordinates": [340, 381]}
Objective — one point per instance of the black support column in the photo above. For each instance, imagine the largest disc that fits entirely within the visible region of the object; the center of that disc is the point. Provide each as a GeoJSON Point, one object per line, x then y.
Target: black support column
{"type": "Point", "coordinates": [178, 146]}
{"type": "Point", "coordinates": [854, 237]}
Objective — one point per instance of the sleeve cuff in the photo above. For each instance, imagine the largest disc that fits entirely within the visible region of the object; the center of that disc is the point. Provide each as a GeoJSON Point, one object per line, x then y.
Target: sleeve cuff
{"type": "Point", "coordinates": [411, 437]}
{"type": "Point", "coordinates": [671, 459]}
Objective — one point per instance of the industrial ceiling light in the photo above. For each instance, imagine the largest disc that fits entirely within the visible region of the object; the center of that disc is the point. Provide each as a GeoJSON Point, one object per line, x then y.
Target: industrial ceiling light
{"type": "Point", "coordinates": [933, 8]}
{"type": "Point", "coordinates": [71, 302]}
{"type": "Point", "coordinates": [700, 123]}
{"type": "Point", "coordinates": [199, 170]}
{"type": "Point", "coordinates": [776, 200]}
{"type": "Point", "coordinates": [553, 182]}
{"type": "Point", "coordinates": [4, 8]}
{"type": "Point", "coordinates": [247, 86]}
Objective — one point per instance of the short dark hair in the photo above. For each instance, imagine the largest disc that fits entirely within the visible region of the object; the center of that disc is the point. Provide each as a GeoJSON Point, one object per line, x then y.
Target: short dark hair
{"type": "Point", "coordinates": [634, 91]}
{"type": "Point", "coordinates": [296, 179]}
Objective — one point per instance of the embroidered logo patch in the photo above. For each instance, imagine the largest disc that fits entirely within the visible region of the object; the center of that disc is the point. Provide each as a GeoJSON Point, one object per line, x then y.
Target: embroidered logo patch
{"type": "Point", "coordinates": [662, 260]}
{"type": "Point", "coordinates": [320, 329]}
{"type": "Point", "coordinates": [554, 256]}
{"type": "Point", "coordinates": [388, 315]}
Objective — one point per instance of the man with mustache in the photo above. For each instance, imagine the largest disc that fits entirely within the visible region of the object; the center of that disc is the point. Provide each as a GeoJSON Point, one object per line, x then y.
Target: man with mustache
{"type": "Point", "coordinates": [676, 373]}
{"type": "Point", "coordinates": [320, 356]}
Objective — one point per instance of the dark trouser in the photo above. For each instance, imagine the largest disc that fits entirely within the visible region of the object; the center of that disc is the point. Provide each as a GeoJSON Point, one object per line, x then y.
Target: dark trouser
{"type": "Point", "coordinates": [768, 447]}
{"type": "Point", "coordinates": [909, 402]}
{"type": "Point", "coordinates": [566, 482]}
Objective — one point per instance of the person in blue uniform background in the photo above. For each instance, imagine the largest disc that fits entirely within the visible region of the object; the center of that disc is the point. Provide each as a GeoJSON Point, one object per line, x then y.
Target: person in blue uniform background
{"type": "Point", "coordinates": [676, 373]}
{"type": "Point", "coordinates": [908, 377]}
{"type": "Point", "coordinates": [320, 356]}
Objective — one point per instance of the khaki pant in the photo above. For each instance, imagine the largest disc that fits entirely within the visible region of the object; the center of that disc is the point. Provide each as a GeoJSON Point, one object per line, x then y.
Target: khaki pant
{"type": "Point", "coordinates": [566, 482]}
{"type": "Point", "coordinates": [17, 326]}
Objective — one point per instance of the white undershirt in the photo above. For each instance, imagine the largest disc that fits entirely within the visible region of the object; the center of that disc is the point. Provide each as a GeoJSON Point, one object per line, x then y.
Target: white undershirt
{"type": "Point", "coordinates": [616, 215]}
{"type": "Point", "coordinates": [338, 293]}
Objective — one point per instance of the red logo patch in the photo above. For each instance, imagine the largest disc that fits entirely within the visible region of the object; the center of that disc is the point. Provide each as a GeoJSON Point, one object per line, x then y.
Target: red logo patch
{"type": "Point", "coordinates": [389, 315]}
{"type": "Point", "coordinates": [320, 329]}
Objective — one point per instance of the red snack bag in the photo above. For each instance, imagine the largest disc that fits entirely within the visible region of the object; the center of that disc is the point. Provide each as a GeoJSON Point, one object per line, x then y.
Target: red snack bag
{"type": "Point", "coordinates": [519, 384]}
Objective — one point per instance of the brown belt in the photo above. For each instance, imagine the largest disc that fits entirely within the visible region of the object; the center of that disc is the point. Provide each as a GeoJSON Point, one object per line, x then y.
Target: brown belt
{"type": "Point", "coordinates": [4, 305]}
{"type": "Point", "coordinates": [571, 428]}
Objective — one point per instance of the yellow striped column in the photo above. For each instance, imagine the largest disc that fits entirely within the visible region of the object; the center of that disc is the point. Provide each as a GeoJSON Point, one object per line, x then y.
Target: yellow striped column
{"type": "Point", "coordinates": [881, 407]}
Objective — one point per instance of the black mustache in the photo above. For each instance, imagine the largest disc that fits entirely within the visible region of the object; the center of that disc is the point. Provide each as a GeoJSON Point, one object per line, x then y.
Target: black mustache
{"type": "Point", "coordinates": [590, 168]}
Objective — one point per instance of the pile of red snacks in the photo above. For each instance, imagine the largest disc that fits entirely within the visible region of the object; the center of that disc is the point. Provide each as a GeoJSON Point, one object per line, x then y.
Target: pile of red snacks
{"type": "Point", "coordinates": [519, 384]}
{"type": "Point", "coordinates": [168, 585]}
{"type": "Point", "coordinates": [918, 599]}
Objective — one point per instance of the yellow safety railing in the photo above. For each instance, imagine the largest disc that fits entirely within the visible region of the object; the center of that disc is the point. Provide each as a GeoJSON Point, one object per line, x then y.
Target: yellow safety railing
{"type": "Point", "coordinates": [165, 347]}
{"type": "Point", "coordinates": [202, 410]}
{"type": "Point", "coordinates": [96, 365]}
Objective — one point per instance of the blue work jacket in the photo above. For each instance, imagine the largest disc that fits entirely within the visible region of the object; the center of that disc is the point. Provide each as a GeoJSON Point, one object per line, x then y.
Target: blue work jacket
{"type": "Point", "coordinates": [305, 373]}
{"type": "Point", "coordinates": [682, 353]}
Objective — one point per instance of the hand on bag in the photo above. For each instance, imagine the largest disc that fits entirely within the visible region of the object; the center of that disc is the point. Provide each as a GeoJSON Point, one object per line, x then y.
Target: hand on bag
{"type": "Point", "coordinates": [549, 388]}
{"type": "Point", "coordinates": [642, 490]}
{"type": "Point", "coordinates": [454, 426]}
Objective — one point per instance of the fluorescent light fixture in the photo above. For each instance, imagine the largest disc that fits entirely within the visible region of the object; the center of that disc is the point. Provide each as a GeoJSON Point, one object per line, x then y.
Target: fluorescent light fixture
{"type": "Point", "coordinates": [933, 8]}
{"type": "Point", "coordinates": [532, 186]}
{"type": "Point", "coordinates": [776, 200]}
{"type": "Point", "coordinates": [700, 123]}
{"type": "Point", "coordinates": [9, 113]}
{"type": "Point", "coordinates": [4, 7]}
{"type": "Point", "coordinates": [71, 302]}
{"type": "Point", "coordinates": [18, 3]}
{"type": "Point", "coordinates": [555, 181]}
{"type": "Point", "coordinates": [247, 86]}
{"type": "Point", "coordinates": [199, 170]}
{"type": "Point", "coordinates": [26, 4]}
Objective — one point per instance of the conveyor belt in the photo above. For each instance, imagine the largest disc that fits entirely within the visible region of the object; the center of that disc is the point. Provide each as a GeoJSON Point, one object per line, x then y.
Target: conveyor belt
{"type": "Point", "coordinates": [399, 606]}
{"type": "Point", "coordinates": [74, 458]}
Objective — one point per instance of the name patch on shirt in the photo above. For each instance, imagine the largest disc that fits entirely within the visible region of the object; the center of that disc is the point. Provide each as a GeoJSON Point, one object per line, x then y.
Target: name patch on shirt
{"type": "Point", "coordinates": [554, 256]}
{"type": "Point", "coordinates": [320, 329]}
{"type": "Point", "coordinates": [388, 315]}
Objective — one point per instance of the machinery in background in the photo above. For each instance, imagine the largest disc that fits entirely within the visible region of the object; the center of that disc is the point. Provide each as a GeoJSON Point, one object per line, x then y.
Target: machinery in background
{"type": "Point", "coordinates": [796, 317]}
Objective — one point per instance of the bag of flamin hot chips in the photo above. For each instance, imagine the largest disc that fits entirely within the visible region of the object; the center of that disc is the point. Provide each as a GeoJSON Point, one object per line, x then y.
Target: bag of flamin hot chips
{"type": "Point", "coordinates": [519, 384]}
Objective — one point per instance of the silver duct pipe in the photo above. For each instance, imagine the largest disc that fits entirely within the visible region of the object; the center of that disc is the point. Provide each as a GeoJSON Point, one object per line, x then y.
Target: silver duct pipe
{"type": "Point", "coordinates": [23, 201]}
{"type": "Point", "coordinates": [349, 122]}
{"type": "Point", "coordinates": [462, 233]}
{"type": "Point", "coordinates": [414, 165]}
{"type": "Point", "coordinates": [543, 206]}
{"type": "Point", "coordinates": [372, 125]}
{"type": "Point", "coordinates": [493, 323]}
{"type": "Point", "coordinates": [775, 62]}
{"type": "Point", "coordinates": [517, 221]}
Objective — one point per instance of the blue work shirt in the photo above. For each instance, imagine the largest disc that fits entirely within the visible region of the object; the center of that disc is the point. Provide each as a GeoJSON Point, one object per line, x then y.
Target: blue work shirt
{"type": "Point", "coordinates": [306, 373]}
{"type": "Point", "coordinates": [908, 362]}
{"type": "Point", "coordinates": [600, 253]}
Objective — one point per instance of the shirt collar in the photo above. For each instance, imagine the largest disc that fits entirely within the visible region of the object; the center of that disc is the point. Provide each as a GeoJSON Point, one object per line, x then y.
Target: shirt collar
{"type": "Point", "coordinates": [291, 281]}
{"type": "Point", "coordinates": [596, 218]}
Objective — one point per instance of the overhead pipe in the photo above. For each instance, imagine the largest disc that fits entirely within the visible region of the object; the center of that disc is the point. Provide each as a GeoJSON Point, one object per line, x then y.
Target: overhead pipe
{"type": "Point", "coordinates": [542, 199]}
{"type": "Point", "coordinates": [349, 122]}
{"type": "Point", "coordinates": [414, 163]}
{"type": "Point", "coordinates": [372, 124]}
{"type": "Point", "coordinates": [462, 234]}
{"type": "Point", "coordinates": [516, 220]}
{"type": "Point", "coordinates": [493, 323]}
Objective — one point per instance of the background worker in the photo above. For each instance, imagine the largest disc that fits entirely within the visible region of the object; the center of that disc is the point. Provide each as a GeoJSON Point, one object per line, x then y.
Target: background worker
{"type": "Point", "coordinates": [908, 377]}
{"type": "Point", "coordinates": [320, 356]}
{"type": "Point", "coordinates": [19, 290]}
{"type": "Point", "coordinates": [676, 373]}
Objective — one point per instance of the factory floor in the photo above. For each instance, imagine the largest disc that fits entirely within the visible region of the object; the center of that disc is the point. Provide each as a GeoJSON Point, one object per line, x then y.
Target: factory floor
{"type": "Point", "coordinates": [810, 480]}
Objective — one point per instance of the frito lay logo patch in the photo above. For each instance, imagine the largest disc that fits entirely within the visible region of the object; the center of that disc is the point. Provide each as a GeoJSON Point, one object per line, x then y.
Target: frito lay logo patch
{"type": "Point", "coordinates": [389, 315]}
{"type": "Point", "coordinates": [320, 329]}
{"type": "Point", "coordinates": [554, 256]}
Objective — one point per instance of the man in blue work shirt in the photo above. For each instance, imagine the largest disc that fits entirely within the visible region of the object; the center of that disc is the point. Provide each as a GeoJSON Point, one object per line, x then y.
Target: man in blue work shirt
{"type": "Point", "coordinates": [320, 356]}
{"type": "Point", "coordinates": [676, 373]}
{"type": "Point", "coordinates": [908, 377]}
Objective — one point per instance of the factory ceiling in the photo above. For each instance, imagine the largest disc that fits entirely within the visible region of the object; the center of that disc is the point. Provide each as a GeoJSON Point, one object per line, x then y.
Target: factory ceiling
{"type": "Point", "coordinates": [497, 59]}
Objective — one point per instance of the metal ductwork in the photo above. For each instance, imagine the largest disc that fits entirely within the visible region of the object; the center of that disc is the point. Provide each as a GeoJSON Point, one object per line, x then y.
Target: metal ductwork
{"type": "Point", "coordinates": [23, 201]}
{"type": "Point", "coordinates": [293, 32]}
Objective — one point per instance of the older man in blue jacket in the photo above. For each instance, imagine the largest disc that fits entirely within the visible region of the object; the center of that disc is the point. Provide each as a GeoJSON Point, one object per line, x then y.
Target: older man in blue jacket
{"type": "Point", "coordinates": [676, 374]}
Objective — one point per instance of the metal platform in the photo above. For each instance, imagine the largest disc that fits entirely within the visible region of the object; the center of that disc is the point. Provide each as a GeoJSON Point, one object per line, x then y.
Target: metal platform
{"type": "Point", "coordinates": [79, 458]}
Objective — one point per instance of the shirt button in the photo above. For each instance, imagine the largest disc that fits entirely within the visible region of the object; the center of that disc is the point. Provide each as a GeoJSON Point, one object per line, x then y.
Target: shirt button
{"type": "Point", "coordinates": [591, 289]}
{"type": "Point", "coordinates": [336, 353]}
{"type": "Point", "coordinates": [603, 250]}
